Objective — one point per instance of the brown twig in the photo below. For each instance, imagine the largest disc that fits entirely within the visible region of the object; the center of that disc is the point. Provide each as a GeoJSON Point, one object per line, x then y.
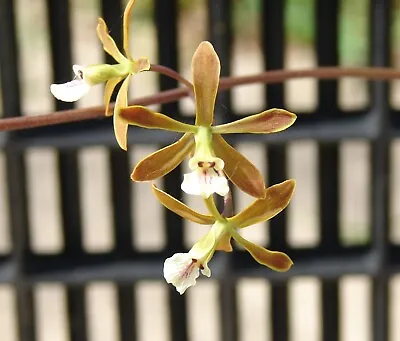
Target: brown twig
{"type": "Point", "coordinates": [166, 71]}
{"type": "Point", "coordinates": [275, 76]}
{"type": "Point", "coordinates": [74, 115]}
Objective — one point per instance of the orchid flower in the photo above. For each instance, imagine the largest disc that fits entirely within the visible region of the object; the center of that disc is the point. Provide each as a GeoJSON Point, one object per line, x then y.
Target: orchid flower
{"type": "Point", "coordinates": [213, 156]}
{"type": "Point", "coordinates": [182, 269]}
{"type": "Point", "coordinates": [88, 76]}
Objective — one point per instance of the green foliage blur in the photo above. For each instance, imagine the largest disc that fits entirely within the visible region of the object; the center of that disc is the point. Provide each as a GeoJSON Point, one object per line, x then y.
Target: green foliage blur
{"type": "Point", "coordinates": [354, 20]}
{"type": "Point", "coordinates": [300, 27]}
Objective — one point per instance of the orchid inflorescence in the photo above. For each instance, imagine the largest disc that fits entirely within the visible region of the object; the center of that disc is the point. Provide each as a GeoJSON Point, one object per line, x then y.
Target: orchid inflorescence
{"type": "Point", "coordinates": [211, 159]}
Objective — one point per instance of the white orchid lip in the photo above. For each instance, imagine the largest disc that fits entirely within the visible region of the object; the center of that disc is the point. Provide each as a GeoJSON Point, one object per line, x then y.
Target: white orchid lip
{"type": "Point", "coordinates": [205, 182]}
{"type": "Point", "coordinates": [181, 270]}
{"type": "Point", "coordinates": [206, 178]}
{"type": "Point", "coordinates": [73, 90]}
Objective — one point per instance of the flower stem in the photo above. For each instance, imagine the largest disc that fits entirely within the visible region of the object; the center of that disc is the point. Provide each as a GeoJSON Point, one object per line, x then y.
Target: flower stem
{"type": "Point", "coordinates": [212, 208]}
{"type": "Point", "coordinates": [166, 71]}
{"type": "Point", "coordinates": [228, 203]}
{"type": "Point", "coordinates": [75, 115]}
{"type": "Point", "coordinates": [273, 76]}
{"type": "Point", "coordinates": [333, 72]}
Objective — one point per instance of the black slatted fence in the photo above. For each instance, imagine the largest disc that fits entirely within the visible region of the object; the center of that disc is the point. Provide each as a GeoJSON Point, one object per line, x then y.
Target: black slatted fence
{"type": "Point", "coordinates": [328, 126]}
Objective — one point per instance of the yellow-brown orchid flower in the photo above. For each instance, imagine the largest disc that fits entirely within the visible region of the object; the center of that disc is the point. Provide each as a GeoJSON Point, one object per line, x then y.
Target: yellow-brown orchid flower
{"type": "Point", "coordinates": [213, 156]}
{"type": "Point", "coordinates": [87, 76]}
{"type": "Point", "coordinates": [182, 269]}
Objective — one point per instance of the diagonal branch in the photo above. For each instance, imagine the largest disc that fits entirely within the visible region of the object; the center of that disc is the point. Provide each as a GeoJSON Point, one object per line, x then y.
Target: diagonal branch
{"type": "Point", "coordinates": [274, 76]}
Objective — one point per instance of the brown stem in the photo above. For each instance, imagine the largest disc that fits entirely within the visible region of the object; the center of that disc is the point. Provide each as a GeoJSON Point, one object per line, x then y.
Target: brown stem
{"type": "Point", "coordinates": [74, 115]}
{"type": "Point", "coordinates": [274, 76]}
{"type": "Point", "coordinates": [172, 74]}
{"type": "Point", "coordinates": [228, 203]}
{"type": "Point", "coordinates": [212, 208]}
{"type": "Point", "coordinates": [277, 76]}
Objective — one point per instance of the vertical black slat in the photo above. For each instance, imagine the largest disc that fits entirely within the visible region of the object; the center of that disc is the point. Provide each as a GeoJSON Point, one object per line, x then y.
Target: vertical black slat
{"type": "Point", "coordinates": [220, 35]}
{"type": "Point", "coordinates": [273, 46]}
{"type": "Point", "coordinates": [16, 174]}
{"type": "Point", "coordinates": [126, 304]}
{"type": "Point", "coordinates": [76, 309]}
{"type": "Point", "coordinates": [121, 195]}
{"type": "Point", "coordinates": [166, 22]}
{"type": "Point", "coordinates": [380, 55]}
{"type": "Point", "coordinates": [328, 154]}
{"type": "Point", "coordinates": [59, 22]}
{"type": "Point", "coordinates": [120, 167]}
{"type": "Point", "coordinates": [328, 182]}
{"type": "Point", "coordinates": [327, 14]}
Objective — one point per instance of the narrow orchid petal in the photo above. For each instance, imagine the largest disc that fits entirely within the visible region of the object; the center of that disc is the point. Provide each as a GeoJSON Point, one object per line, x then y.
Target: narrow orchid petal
{"type": "Point", "coordinates": [126, 21]}
{"type": "Point", "coordinates": [205, 69]}
{"type": "Point", "coordinates": [270, 121]}
{"type": "Point", "coordinates": [276, 199]}
{"type": "Point", "coordinates": [108, 91]}
{"type": "Point", "coordinates": [70, 91]}
{"type": "Point", "coordinates": [108, 43]}
{"type": "Point", "coordinates": [146, 118]}
{"type": "Point", "coordinates": [120, 126]}
{"type": "Point", "coordinates": [275, 260]}
{"type": "Point", "coordinates": [239, 170]}
{"type": "Point", "coordinates": [164, 160]}
{"type": "Point", "coordinates": [181, 209]}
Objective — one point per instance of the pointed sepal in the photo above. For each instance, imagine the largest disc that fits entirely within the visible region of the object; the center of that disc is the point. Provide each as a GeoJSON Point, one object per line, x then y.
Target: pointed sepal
{"type": "Point", "coordinates": [146, 118]}
{"type": "Point", "coordinates": [276, 199]}
{"type": "Point", "coordinates": [269, 121]}
{"type": "Point", "coordinates": [206, 70]}
{"type": "Point", "coordinates": [181, 209]}
{"type": "Point", "coordinates": [239, 170]}
{"type": "Point", "coordinates": [108, 91]}
{"type": "Point", "coordinates": [275, 260]}
{"type": "Point", "coordinates": [108, 43]}
{"type": "Point", "coordinates": [164, 160]}
{"type": "Point", "coordinates": [120, 126]}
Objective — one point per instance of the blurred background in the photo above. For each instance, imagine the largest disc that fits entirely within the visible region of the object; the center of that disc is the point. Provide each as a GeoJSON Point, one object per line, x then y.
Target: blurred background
{"type": "Point", "coordinates": [83, 247]}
